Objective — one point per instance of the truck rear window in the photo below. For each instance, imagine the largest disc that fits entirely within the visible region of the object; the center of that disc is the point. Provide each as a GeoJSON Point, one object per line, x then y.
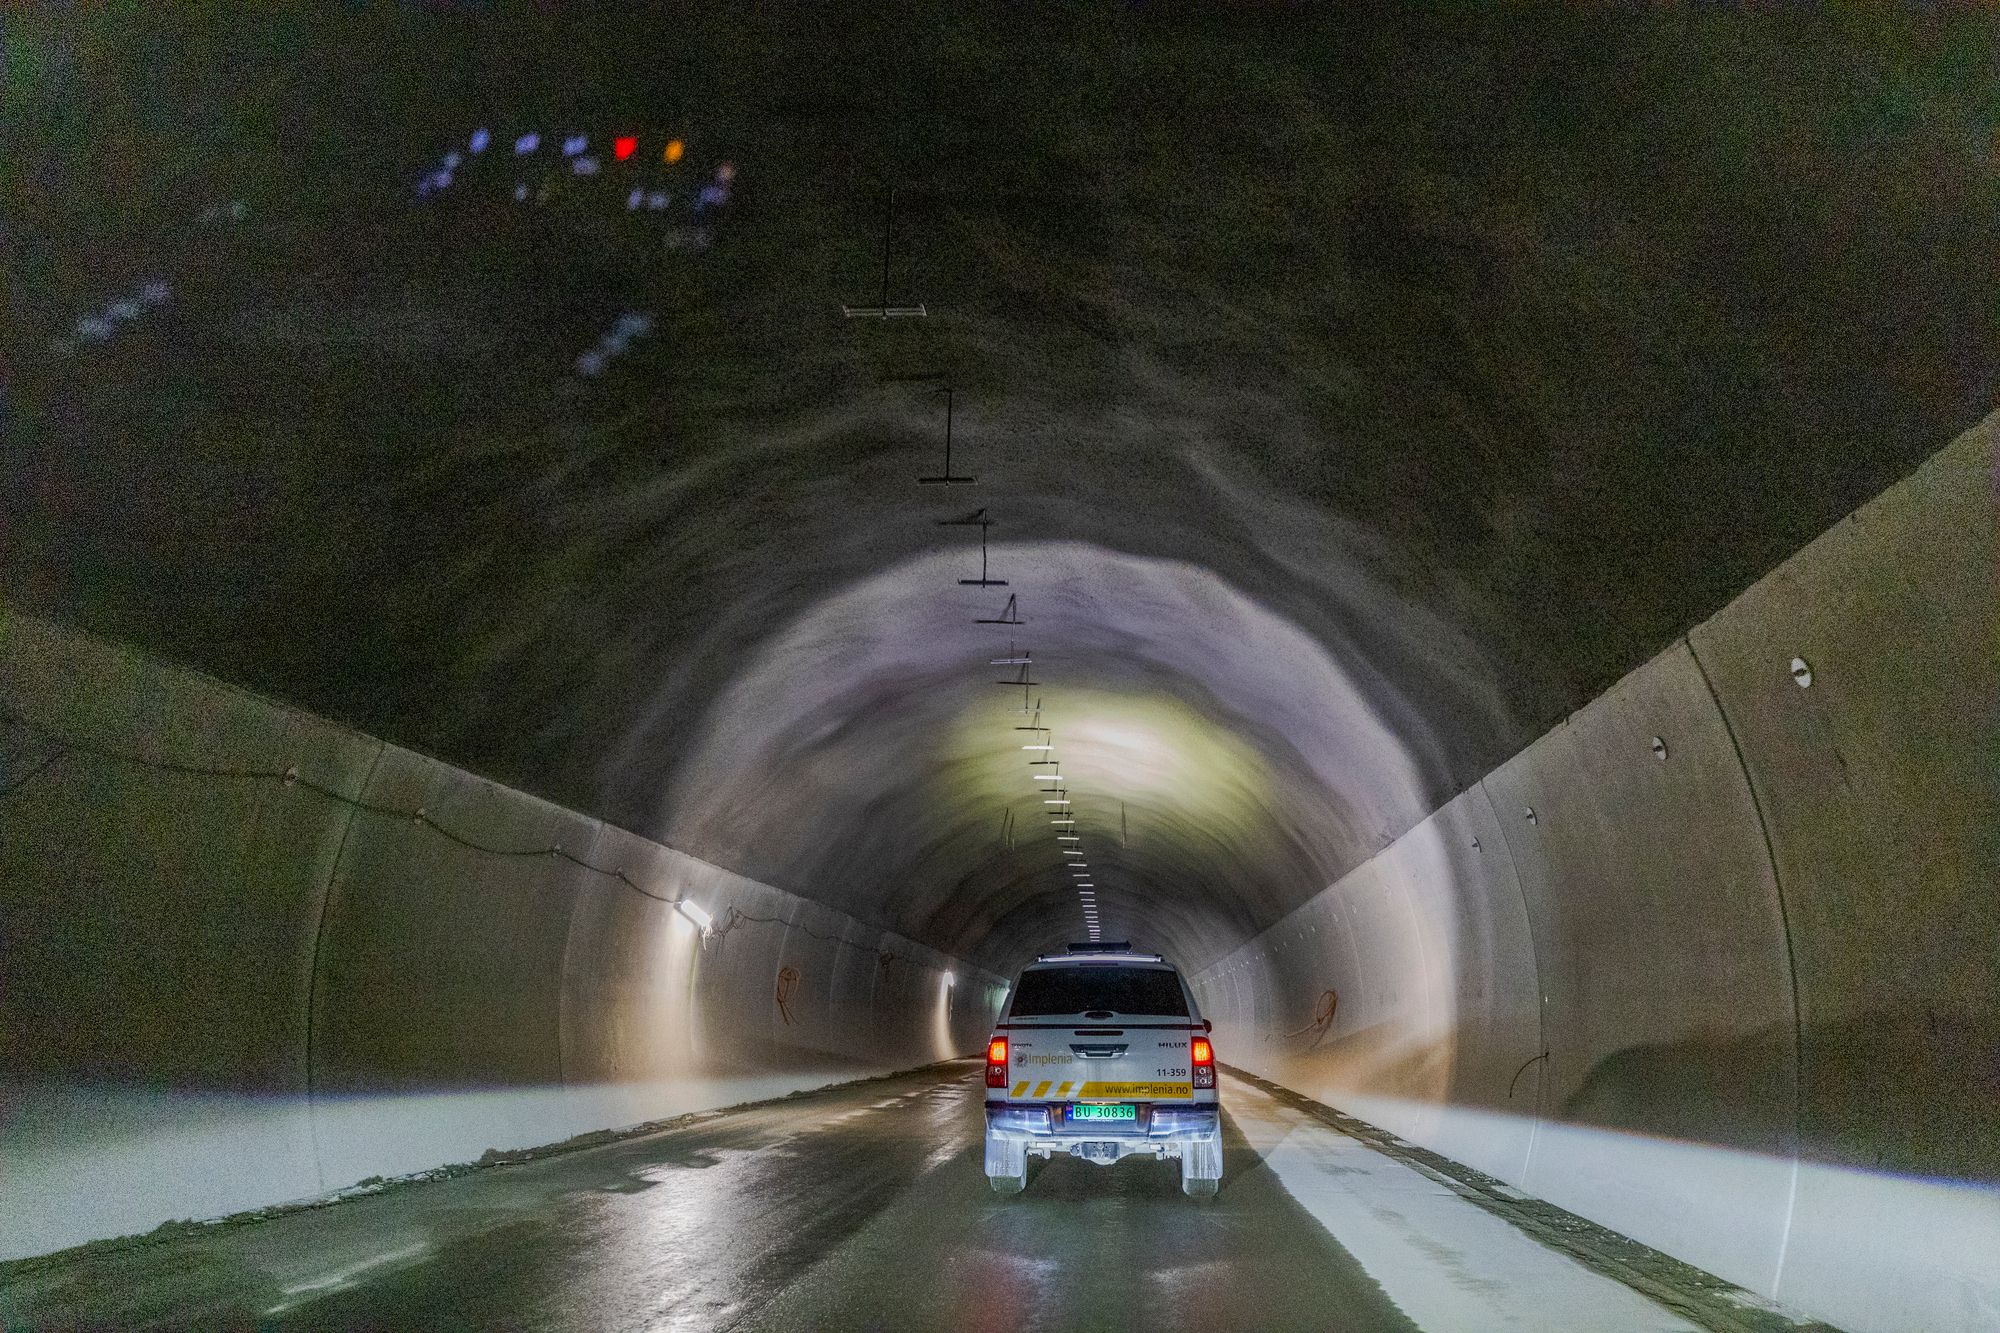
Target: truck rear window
{"type": "Point", "coordinates": [1122, 990]}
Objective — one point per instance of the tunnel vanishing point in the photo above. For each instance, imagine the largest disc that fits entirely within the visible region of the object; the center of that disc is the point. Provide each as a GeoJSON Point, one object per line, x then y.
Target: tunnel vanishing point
{"type": "Point", "coordinates": [1492, 508]}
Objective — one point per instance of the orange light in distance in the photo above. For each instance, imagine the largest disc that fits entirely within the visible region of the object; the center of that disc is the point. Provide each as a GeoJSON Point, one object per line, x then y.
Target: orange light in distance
{"type": "Point", "coordinates": [1204, 1054]}
{"type": "Point", "coordinates": [674, 150]}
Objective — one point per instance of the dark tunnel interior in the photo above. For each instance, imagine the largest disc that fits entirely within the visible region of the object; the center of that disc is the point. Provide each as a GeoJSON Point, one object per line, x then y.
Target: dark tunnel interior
{"type": "Point", "coordinates": [1354, 398]}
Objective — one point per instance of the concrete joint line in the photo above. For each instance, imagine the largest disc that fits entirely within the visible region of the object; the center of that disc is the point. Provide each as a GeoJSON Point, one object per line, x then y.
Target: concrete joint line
{"type": "Point", "coordinates": [1541, 1057]}
{"type": "Point", "coordinates": [1791, 958]}
{"type": "Point", "coordinates": [312, 975]}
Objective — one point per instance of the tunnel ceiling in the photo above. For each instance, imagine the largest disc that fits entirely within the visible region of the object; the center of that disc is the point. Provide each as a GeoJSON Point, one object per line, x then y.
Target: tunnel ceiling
{"type": "Point", "coordinates": [1351, 395]}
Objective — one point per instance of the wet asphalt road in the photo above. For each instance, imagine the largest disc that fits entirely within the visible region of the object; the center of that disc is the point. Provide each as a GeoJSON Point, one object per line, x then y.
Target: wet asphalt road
{"type": "Point", "coordinates": [861, 1207]}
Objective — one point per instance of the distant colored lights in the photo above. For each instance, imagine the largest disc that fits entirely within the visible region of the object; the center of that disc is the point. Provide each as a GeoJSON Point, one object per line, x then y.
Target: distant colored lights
{"type": "Point", "coordinates": [595, 361]}
{"type": "Point", "coordinates": [673, 151]}
{"type": "Point", "coordinates": [624, 146]}
{"type": "Point", "coordinates": [100, 326]}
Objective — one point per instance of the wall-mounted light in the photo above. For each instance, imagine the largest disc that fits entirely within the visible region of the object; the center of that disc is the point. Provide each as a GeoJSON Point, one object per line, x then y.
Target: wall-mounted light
{"type": "Point", "coordinates": [702, 920]}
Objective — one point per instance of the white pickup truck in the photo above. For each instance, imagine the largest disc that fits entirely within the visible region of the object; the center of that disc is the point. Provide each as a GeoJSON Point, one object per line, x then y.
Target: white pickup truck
{"type": "Point", "coordinates": [1100, 1054]}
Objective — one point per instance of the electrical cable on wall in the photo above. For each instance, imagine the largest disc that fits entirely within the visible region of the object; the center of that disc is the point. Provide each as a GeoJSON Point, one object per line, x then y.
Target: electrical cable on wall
{"type": "Point", "coordinates": [63, 748]}
{"type": "Point", "coordinates": [1522, 1070]}
{"type": "Point", "coordinates": [291, 777]}
{"type": "Point", "coordinates": [788, 981]}
{"type": "Point", "coordinates": [1323, 1010]}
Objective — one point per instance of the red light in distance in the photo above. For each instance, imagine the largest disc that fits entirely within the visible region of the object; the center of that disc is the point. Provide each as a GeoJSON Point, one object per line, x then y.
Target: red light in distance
{"type": "Point", "coordinates": [625, 145]}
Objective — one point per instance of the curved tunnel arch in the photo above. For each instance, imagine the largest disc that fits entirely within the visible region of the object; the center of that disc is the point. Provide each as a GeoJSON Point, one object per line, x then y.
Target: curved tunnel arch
{"type": "Point", "coordinates": [870, 750]}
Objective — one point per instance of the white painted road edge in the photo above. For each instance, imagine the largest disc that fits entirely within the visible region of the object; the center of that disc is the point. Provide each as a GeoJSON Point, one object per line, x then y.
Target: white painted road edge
{"type": "Point", "coordinates": [1446, 1262]}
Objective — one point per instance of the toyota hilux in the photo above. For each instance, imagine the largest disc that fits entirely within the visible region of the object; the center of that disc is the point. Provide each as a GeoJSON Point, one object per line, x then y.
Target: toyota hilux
{"type": "Point", "coordinates": [1100, 1054]}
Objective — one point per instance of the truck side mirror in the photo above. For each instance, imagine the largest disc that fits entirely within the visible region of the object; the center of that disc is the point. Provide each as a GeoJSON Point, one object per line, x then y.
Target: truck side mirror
{"type": "Point", "coordinates": [1207, 1025]}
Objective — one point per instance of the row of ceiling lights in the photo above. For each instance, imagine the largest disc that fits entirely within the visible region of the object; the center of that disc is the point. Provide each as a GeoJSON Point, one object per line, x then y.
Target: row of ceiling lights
{"type": "Point", "coordinates": [1057, 798]}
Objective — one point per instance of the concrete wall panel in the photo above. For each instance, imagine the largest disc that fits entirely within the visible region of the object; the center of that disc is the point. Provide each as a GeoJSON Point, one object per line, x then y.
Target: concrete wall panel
{"type": "Point", "coordinates": [440, 970]}
{"type": "Point", "coordinates": [627, 996]}
{"type": "Point", "coordinates": [1767, 961]}
{"type": "Point", "coordinates": [222, 992]}
{"type": "Point", "coordinates": [1878, 786]}
{"type": "Point", "coordinates": [1662, 954]}
{"type": "Point", "coordinates": [158, 931]}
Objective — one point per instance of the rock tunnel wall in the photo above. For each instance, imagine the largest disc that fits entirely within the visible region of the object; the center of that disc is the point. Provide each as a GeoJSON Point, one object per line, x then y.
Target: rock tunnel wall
{"type": "Point", "coordinates": [1713, 962]}
{"type": "Point", "coordinates": [223, 989]}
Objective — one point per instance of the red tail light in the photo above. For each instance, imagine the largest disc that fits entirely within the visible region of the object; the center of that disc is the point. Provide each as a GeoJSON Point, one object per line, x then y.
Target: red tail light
{"type": "Point", "coordinates": [1203, 1052]}
{"type": "Point", "coordinates": [996, 1063]}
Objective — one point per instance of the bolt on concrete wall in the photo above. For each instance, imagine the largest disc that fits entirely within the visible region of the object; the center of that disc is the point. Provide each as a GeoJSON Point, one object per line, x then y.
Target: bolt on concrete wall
{"type": "Point", "coordinates": [253, 957]}
{"type": "Point", "coordinates": [1717, 961]}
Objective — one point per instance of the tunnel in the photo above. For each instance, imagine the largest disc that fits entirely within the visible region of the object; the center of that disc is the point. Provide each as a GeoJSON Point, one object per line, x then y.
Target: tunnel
{"type": "Point", "coordinates": [584, 590]}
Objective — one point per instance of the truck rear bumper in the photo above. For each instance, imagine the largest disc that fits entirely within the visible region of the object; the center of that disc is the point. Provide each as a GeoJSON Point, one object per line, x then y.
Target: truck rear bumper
{"type": "Point", "coordinates": [1045, 1125]}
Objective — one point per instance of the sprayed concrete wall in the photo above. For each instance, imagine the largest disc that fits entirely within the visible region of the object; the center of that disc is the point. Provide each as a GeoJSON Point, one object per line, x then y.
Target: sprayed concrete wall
{"type": "Point", "coordinates": [1716, 962]}
{"type": "Point", "coordinates": [225, 987]}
